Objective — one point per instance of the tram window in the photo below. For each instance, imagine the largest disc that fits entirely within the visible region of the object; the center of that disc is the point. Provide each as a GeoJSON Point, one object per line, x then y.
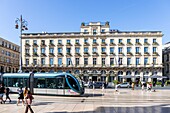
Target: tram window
{"type": "Point", "coordinates": [60, 83]}
{"type": "Point", "coordinates": [40, 83]}
{"type": "Point", "coordinates": [51, 83]}
{"type": "Point", "coordinates": [15, 82]}
{"type": "Point", "coordinates": [72, 82]}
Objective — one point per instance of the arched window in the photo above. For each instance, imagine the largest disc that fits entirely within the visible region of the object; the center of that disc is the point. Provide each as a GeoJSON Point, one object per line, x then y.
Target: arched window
{"type": "Point", "coordinates": [103, 72]}
{"type": "Point", "coordinates": [120, 73]}
{"type": "Point", "coordinates": [94, 71]}
{"type": "Point", "coordinates": [137, 73]}
{"type": "Point", "coordinates": [128, 73]}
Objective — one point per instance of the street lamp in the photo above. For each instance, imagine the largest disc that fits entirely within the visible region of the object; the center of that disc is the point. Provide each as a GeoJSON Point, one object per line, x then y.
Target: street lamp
{"type": "Point", "coordinates": [23, 26]}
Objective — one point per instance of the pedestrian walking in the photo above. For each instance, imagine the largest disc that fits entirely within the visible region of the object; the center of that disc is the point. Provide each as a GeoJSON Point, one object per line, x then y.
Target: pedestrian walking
{"type": "Point", "coordinates": [133, 86]}
{"type": "Point", "coordinates": [20, 96]}
{"type": "Point", "coordinates": [25, 92]}
{"type": "Point", "coordinates": [142, 86]}
{"type": "Point", "coordinates": [28, 102]}
{"type": "Point", "coordinates": [2, 90]}
{"type": "Point", "coordinates": [7, 94]}
{"type": "Point", "coordinates": [116, 88]}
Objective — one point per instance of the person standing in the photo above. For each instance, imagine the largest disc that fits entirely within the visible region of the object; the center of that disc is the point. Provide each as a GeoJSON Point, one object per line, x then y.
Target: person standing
{"type": "Point", "coordinates": [7, 94]}
{"type": "Point", "coordinates": [142, 86]}
{"type": "Point", "coordinates": [28, 101]}
{"type": "Point", "coordinates": [20, 96]}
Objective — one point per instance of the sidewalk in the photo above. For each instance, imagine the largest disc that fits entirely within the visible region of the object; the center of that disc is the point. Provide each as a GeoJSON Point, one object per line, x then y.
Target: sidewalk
{"type": "Point", "coordinates": [97, 101]}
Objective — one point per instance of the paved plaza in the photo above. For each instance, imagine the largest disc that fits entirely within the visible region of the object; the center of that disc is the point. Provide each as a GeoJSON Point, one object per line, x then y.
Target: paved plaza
{"type": "Point", "coordinates": [98, 101]}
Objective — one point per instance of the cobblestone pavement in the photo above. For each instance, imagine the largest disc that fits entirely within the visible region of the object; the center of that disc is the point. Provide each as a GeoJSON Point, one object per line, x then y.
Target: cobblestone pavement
{"type": "Point", "coordinates": [97, 101]}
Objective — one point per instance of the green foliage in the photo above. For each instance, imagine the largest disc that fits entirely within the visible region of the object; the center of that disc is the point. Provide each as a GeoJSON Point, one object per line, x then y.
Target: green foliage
{"type": "Point", "coordinates": [167, 82]}
{"type": "Point", "coordinates": [158, 83]}
{"type": "Point", "coordinates": [115, 82]}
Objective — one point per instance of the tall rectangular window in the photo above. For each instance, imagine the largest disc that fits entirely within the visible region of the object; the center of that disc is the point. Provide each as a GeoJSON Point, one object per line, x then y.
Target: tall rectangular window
{"type": "Point", "coordinates": [94, 31]}
{"type": "Point", "coordinates": [68, 50]}
{"type": "Point", "coordinates": [34, 41]}
{"type": "Point", "coordinates": [77, 41]}
{"type": "Point", "coordinates": [69, 62]}
{"type": "Point", "coordinates": [154, 60]}
{"type": "Point", "coordinates": [42, 61]}
{"type": "Point", "coordinates": [103, 40]}
{"type": "Point", "coordinates": [77, 50]}
{"type": "Point", "coordinates": [43, 42]}
{"type": "Point", "coordinates": [103, 49]}
{"type": "Point", "coordinates": [27, 62]}
{"type": "Point", "coordinates": [128, 49]}
{"type": "Point", "coordinates": [137, 61]}
{"type": "Point", "coordinates": [111, 40]}
{"type": "Point", "coordinates": [145, 49]}
{"type": "Point", "coordinates": [85, 49]}
{"type": "Point", "coordinates": [94, 61]}
{"type": "Point", "coordinates": [111, 61]}
{"type": "Point", "coordinates": [51, 50]}
{"type": "Point", "coordinates": [51, 61]}
{"type": "Point", "coordinates": [85, 40]}
{"type": "Point", "coordinates": [154, 49]}
{"type": "Point", "coordinates": [35, 61]}
{"type": "Point", "coordinates": [120, 40]}
{"type": "Point", "coordinates": [128, 40]}
{"type": "Point", "coordinates": [112, 50]}
{"type": "Point", "coordinates": [59, 50]}
{"type": "Point", "coordinates": [77, 61]}
{"type": "Point", "coordinates": [145, 61]}
{"type": "Point", "coordinates": [103, 61]}
{"type": "Point", "coordinates": [128, 61]}
{"type": "Point", "coordinates": [86, 61]}
{"type": "Point", "coordinates": [145, 40]}
{"type": "Point", "coordinates": [120, 61]}
{"type": "Point", "coordinates": [59, 41]}
{"type": "Point", "coordinates": [59, 61]}
{"type": "Point", "coordinates": [34, 50]}
{"type": "Point", "coordinates": [94, 49]}
{"type": "Point", "coordinates": [120, 50]}
{"type": "Point", "coordinates": [27, 50]}
{"type": "Point", "coordinates": [68, 41]}
{"type": "Point", "coordinates": [137, 40]}
{"type": "Point", "coordinates": [42, 50]}
{"type": "Point", "coordinates": [154, 40]}
{"type": "Point", "coordinates": [26, 41]}
{"type": "Point", "coordinates": [51, 41]}
{"type": "Point", "coordinates": [94, 41]}
{"type": "Point", "coordinates": [137, 50]}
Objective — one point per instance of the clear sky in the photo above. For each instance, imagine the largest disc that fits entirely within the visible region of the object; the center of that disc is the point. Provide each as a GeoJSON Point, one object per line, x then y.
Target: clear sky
{"type": "Point", "coordinates": [67, 15]}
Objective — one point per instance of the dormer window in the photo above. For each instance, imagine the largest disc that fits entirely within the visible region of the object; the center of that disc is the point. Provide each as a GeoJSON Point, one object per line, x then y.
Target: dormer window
{"type": "Point", "coordinates": [103, 30]}
{"type": "Point", "coordinates": [94, 32]}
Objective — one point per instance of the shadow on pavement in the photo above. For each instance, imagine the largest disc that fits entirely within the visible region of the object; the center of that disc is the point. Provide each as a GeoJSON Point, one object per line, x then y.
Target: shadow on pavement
{"type": "Point", "coordinates": [136, 109]}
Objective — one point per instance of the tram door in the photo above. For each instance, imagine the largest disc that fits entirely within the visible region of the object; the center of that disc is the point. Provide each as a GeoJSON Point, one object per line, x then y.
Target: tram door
{"type": "Point", "coordinates": [60, 82]}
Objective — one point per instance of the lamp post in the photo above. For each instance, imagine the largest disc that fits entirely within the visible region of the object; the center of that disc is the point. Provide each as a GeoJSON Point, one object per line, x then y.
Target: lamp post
{"type": "Point", "coordinates": [22, 27]}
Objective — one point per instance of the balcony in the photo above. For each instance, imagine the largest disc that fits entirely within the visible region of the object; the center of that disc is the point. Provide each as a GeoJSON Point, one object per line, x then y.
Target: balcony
{"type": "Point", "coordinates": [51, 45]}
{"type": "Point", "coordinates": [95, 54]}
{"type": "Point", "coordinates": [35, 45]}
{"type": "Point", "coordinates": [77, 44]}
{"type": "Point", "coordinates": [86, 44]}
{"type": "Point", "coordinates": [138, 44]}
{"type": "Point", "coordinates": [43, 55]}
{"type": "Point", "coordinates": [129, 54]}
{"type": "Point", "coordinates": [95, 44]}
{"type": "Point", "coordinates": [146, 54]}
{"type": "Point", "coordinates": [35, 55]}
{"type": "Point", "coordinates": [60, 55]}
{"type": "Point", "coordinates": [27, 55]}
{"type": "Point", "coordinates": [59, 44]}
{"type": "Point", "coordinates": [86, 54]}
{"type": "Point", "coordinates": [27, 45]}
{"type": "Point", "coordinates": [155, 54]}
{"type": "Point", "coordinates": [155, 44]}
{"type": "Point", "coordinates": [77, 55]}
{"type": "Point", "coordinates": [69, 44]}
{"type": "Point", "coordinates": [51, 55]}
{"type": "Point", "coordinates": [112, 44]}
{"type": "Point", "coordinates": [43, 45]}
{"type": "Point", "coordinates": [121, 54]}
{"type": "Point", "coordinates": [129, 44]}
{"type": "Point", "coordinates": [112, 54]}
{"type": "Point", "coordinates": [68, 54]}
{"type": "Point", "coordinates": [103, 44]}
{"type": "Point", "coordinates": [121, 44]}
{"type": "Point", "coordinates": [138, 54]}
{"type": "Point", "coordinates": [146, 44]}
{"type": "Point", "coordinates": [103, 54]}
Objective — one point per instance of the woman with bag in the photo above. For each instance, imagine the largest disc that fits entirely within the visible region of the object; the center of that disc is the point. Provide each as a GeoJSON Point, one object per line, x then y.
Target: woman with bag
{"type": "Point", "coordinates": [28, 101]}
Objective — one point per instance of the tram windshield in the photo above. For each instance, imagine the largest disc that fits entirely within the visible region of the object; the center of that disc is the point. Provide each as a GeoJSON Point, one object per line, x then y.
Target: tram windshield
{"type": "Point", "coordinates": [79, 80]}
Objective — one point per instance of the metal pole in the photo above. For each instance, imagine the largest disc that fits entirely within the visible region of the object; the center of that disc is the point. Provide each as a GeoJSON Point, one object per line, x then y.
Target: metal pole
{"type": "Point", "coordinates": [21, 44]}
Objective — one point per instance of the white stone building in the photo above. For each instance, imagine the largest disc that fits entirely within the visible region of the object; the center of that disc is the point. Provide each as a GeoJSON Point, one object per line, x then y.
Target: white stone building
{"type": "Point", "coordinates": [95, 53]}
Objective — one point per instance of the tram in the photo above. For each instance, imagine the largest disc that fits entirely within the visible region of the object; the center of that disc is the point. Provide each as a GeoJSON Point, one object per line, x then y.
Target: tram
{"type": "Point", "coordinates": [45, 83]}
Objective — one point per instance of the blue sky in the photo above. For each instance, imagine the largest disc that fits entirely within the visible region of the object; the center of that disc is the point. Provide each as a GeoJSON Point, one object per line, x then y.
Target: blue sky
{"type": "Point", "coordinates": [67, 15]}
